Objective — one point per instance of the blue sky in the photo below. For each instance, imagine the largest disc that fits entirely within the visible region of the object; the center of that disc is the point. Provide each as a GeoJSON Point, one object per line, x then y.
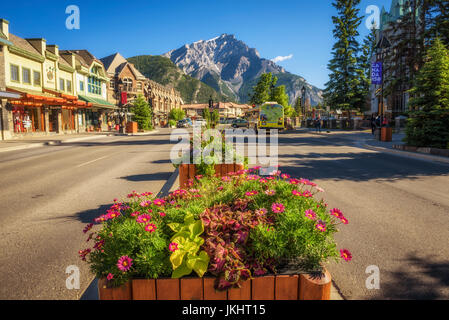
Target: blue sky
{"type": "Point", "coordinates": [297, 28]}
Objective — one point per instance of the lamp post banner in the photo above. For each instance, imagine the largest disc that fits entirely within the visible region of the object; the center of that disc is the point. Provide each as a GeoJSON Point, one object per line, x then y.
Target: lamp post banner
{"type": "Point", "coordinates": [376, 73]}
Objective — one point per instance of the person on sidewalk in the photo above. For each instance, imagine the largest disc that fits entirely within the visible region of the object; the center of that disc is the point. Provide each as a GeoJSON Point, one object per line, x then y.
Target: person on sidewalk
{"type": "Point", "coordinates": [373, 124]}
{"type": "Point", "coordinates": [318, 124]}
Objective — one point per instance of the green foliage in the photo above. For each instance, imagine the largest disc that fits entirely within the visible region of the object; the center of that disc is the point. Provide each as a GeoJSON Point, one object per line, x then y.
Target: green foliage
{"type": "Point", "coordinates": [342, 89]}
{"type": "Point", "coordinates": [428, 125]}
{"type": "Point", "coordinates": [176, 114]}
{"type": "Point", "coordinates": [188, 257]}
{"type": "Point", "coordinates": [232, 227]}
{"type": "Point", "coordinates": [142, 113]}
{"type": "Point", "coordinates": [266, 90]}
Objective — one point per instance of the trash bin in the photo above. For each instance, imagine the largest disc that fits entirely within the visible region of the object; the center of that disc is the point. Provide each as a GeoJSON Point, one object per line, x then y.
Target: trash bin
{"type": "Point", "coordinates": [387, 134]}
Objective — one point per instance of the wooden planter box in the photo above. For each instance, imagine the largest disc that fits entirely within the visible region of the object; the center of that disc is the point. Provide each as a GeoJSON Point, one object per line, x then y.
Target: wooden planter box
{"type": "Point", "coordinates": [279, 287]}
{"type": "Point", "coordinates": [188, 171]}
{"type": "Point", "coordinates": [131, 127]}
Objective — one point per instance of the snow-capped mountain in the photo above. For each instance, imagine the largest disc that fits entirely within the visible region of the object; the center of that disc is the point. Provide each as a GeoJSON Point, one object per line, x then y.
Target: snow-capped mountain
{"type": "Point", "coordinates": [232, 68]}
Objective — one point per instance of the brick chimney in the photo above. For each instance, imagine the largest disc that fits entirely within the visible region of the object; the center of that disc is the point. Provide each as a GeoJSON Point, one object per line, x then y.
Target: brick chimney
{"type": "Point", "coordinates": [4, 27]}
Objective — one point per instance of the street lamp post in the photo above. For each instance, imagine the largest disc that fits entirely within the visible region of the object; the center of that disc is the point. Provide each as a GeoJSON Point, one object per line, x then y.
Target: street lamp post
{"type": "Point", "coordinates": [303, 103]}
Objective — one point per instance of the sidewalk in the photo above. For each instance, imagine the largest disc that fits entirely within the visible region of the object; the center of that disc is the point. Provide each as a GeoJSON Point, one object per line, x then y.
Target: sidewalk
{"type": "Point", "coordinates": [34, 142]}
{"type": "Point", "coordinates": [365, 139]}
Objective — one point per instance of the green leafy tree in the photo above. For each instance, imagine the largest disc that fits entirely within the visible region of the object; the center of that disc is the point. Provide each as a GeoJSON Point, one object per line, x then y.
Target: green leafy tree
{"type": "Point", "coordinates": [428, 125]}
{"type": "Point", "coordinates": [298, 107]}
{"type": "Point", "coordinates": [142, 113]}
{"type": "Point", "coordinates": [342, 89]}
{"type": "Point", "coordinates": [176, 114]}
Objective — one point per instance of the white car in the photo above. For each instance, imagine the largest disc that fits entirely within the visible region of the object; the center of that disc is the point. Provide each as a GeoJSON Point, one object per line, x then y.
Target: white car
{"type": "Point", "coordinates": [200, 123]}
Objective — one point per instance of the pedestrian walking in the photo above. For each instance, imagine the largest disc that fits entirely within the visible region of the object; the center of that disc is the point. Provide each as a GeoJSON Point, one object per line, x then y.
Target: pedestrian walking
{"type": "Point", "coordinates": [373, 124]}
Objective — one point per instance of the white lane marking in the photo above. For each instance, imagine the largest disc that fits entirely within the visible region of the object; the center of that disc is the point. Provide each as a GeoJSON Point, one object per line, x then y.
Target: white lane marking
{"type": "Point", "coordinates": [89, 162]}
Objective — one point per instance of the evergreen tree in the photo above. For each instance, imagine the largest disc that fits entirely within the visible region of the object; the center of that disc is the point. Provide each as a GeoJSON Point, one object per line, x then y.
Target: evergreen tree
{"type": "Point", "coordinates": [262, 91]}
{"type": "Point", "coordinates": [298, 107]}
{"type": "Point", "coordinates": [428, 124]}
{"type": "Point", "coordinates": [342, 90]}
{"type": "Point", "coordinates": [438, 20]}
{"type": "Point", "coordinates": [142, 113]}
{"type": "Point", "coordinates": [362, 99]}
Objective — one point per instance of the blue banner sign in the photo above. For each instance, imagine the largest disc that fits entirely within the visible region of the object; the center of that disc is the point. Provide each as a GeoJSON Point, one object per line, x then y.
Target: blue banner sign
{"type": "Point", "coordinates": [376, 73]}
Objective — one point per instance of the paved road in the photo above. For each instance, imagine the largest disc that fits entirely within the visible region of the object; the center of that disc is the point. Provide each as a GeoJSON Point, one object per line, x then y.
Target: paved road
{"type": "Point", "coordinates": [48, 194]}
{"type": "Point", "coordinates": [398, 211]}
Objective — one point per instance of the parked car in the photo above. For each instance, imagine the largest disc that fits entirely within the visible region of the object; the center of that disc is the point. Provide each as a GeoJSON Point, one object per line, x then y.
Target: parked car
{"type": "Point", "coordinates": [240, 123]}
{"type": "Point", "coordinates": [184, 123]}
{"type": "Point", "coordinates": [200, 123]}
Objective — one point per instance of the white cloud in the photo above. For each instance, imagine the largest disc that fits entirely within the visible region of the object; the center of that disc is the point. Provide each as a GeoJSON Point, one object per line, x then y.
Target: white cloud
{"type": "Point", "coordinates": [282, 58]}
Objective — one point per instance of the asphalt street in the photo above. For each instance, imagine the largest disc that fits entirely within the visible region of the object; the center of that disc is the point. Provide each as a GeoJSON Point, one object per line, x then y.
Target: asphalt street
{"type": "Point", "coordinates": [398, 210]}
{"type": "Point", "coordinates": [49, 194]}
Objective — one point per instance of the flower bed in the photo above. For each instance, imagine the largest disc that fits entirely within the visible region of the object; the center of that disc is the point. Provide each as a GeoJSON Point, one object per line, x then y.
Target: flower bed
{"type": "Point", "coordinates": [229, 233]}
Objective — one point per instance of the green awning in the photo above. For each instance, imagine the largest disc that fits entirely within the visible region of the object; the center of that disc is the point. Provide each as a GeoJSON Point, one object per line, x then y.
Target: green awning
{"type": "Point", "coordinates": [97, 102]}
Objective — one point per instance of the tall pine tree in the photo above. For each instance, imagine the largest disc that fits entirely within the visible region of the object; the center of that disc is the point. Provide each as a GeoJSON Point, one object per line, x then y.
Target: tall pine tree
{"type": "Point", "coordinates": [428, 125]}
{"type": "Point", "coordinates": [364, 70]}
{"type": "Point", "coordinates": [342, 90]}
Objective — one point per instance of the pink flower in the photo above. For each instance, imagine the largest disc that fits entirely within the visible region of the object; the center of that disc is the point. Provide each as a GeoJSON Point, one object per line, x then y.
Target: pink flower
{"type": "Point", "coordinates": [321, 226]}
{"type": "Point", "coordinates": [220, 188]}
{"type": "Point", "coordinates": [337, 213]}
{"type": "Point", "coordinates": [319, 189]}
{"type": "Point", "coordinates": [307, 194]}
{"type": "Point", "coordinates": [310, 214]}
{"type": "Point", "coordinates": [263, 180]}
{"type": "Point", "coordinates": [251, 193]}
{"type": "Point", "coordinates": [252, 177]}
{"type": "Point", "coordinates": [344, 220]}
{"type": "Point", "coordinates": [110, 276]}
{"type": "Point", "coordinates": [294, 181]}
{"type": "Point", "coordinates": [150, 227]}
{"type": "Point", "coordinates": [135, 214]}
{"type": "Point", "coordinates": [84, 253]}
{"type": "Point", "coordinates": [124, 263]}
{"type": "Point", "coordinates": [115, 199]}
{"type": "Point", "coordinates": [88, 227]}
{"type": "Point", "coordinates": [226, 179]}
{"type": "Point", "coordinates": [199, 177]}
{"type": "Point", "coordinates": [285, 176]}
{"type": "Point", "coordinates": [270, 192]}
{"type": "Point", "coordinates": [261, 212]}
{"type": "Point", "coordinates": [296, 193]}
{"type": "Point", "coordinates": [145, 203]}
{"type": "Point", "coordinates": [278, 207]}
{"type": "Point", "coordinates": [159, 202]}
{"type": "Point", "coordinates": [345, 254]}
{"type": "Point", "coordinates": [143, 218]}
{"type": "Point", "coordinates": [162, 214]}
{"type": "Point", "coordinates": [173, 246]}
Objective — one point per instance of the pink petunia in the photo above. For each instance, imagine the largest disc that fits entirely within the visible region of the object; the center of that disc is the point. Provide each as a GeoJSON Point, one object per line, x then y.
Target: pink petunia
{"type": "Point", "coordinates": [270, 192]}
{"type": "Point", "coordinates": [150, 227]}
{"type": "Point", "coordinates": [159, 202]}
{"type": "Point", "coordinates": [173, 246]}
{"type": "Point", "coordinates": [285, 176]}
{"type": "Point", "coordinates": [278, 208]}
{"type": "Point", "coordinates": [110, 276]}
{"type": "Point", "coordinates": [162, 214]}
{"type": "Point", "coordinates": [345, 254]}
{"type": "Point", "coordinates": [337, 213]}
{"type": "Point", "coordinates": [251, 193]}
{"type": "Point", "coordinates": [310, 214]}
{"type": "Point", "coordinates": [143, 218]}
{"type": "Point", "coordinates": [321, 226]}
{"type": "Point", "coordinates": [124, 263]}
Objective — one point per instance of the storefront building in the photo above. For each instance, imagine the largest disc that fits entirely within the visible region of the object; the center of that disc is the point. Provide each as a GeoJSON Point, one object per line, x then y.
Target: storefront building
{"type": "Point", "coordinates": [91, 85]}
{"type": "Point", "coordinates": [39, 88]}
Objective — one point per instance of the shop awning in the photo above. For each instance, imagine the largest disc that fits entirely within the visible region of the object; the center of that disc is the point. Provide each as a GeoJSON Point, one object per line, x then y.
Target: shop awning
{"type": "Point", "coordinates": [34, 98]}
{"type": "Point", "coordinates": [97, 102]}
{"type": "Point", "coordinates": [9, 95]}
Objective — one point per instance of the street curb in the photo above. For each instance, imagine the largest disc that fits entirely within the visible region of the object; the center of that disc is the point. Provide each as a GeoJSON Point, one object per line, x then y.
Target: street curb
{"type": "Point", "coordinates": [406, 154]}
{"type": "Point", "coordinates": [91, 292]}
{"type": "Point", "coordinates": [50, 143]}
{"type": "Point", "coordinates": [136, 134]}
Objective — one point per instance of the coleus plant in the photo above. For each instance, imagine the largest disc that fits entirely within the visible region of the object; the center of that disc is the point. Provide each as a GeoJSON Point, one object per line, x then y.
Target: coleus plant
{"type": "Point", "coordinates": [226, 232]}
{"type": "Point", "coordinates": [186, 243]}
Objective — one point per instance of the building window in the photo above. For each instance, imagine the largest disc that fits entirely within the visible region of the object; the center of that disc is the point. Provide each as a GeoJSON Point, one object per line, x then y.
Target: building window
{"type": "Point", "coordinates": [112, 84]}
{"type": "Point", "coordinates": [69, 85]}
{"type": "Point", "coordinates": [139, 85]}
{"type": "Point", "coordinates": [15, 73]}
{"type": "Point", "coordinates": [82, 86]}
{"type": "Point", "coordinates": [36, 78]}
{"type": "Point", "coordinates": [61, 84]}
{"type": "Point", "coordinates": [127, 84]}
{"type": "Point", "coordinates": [26, 75]}
{"type": "Point", "coordinates": [94, 85]}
